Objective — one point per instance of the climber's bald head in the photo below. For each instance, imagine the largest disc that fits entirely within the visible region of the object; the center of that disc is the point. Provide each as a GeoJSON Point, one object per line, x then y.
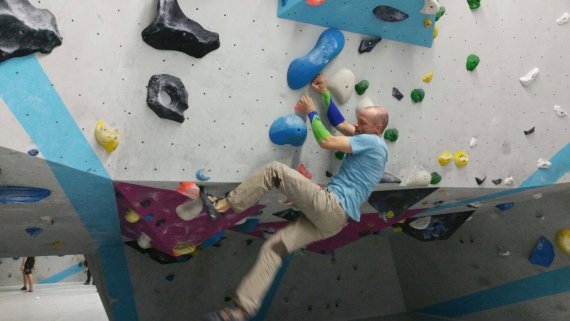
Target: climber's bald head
{"type": "Point", "coordinates": [372, 120]}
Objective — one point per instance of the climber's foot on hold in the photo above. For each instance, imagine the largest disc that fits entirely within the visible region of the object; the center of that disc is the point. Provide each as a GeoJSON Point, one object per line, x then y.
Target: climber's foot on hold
{"type": "Point", "coordinates": [214, 206]}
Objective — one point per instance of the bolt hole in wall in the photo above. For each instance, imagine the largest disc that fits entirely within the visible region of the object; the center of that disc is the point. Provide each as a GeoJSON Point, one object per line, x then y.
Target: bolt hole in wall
{"type": "Point", "coordinates": [61, 288]}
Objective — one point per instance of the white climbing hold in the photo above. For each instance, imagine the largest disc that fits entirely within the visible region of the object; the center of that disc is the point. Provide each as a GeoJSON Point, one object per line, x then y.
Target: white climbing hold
{"type": "Point", "coordinates": [503, 252]}
{"type": "Point", "coordinates": [560, 112]}
{"type": "Point", "coordinates": [144, 241]}
{"type": "Point", "coordinates": [473, 142]}
{"type": "Point", "coordinates": [418, 177]}
{"type": "Point", "coordinates": [543, 163]}
{"type": "Point", "coordinates": [475, 205]}
{"type": "Point", "coordinates": [341, 85]}
{"type": "Point", "coordinates": [563, 19]}
{"type": "Point", "coordinates": [430, 7]}
{"type": "Point", "coordinates": [363, 103]}
{"type": "Point", "coordinates": [509, 180]}
{"type": "Point", "coordinates": [189, 209]}
{"type": "Point", "coordinates": [421, 223]}
{"type": "Point", "coordinates": [527, 79]}
{"type": "Point", "coordinates": [537, 196]}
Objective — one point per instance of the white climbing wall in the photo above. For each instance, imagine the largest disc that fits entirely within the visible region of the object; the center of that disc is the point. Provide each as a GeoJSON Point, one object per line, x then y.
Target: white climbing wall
{"type": "Point", "coordinates": [236, 92]}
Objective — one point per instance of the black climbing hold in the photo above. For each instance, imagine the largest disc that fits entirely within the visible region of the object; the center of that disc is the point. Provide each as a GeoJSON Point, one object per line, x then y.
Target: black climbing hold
{"type": "Point", "coordinates": [170, 277]}
{"type": "Point", "coordinates": [172, 30]}
{"type": "Point", "coordinates": [145, 203]}
{"type": "Point", "coordinates": [328, 174]}
{"type": "Point", "coordinates": [497, 181]}
{"type": "Point", "coordinates": [480, 180]}
{"type": "Point", "coordinates": [248, 242]}
{"type": "Point", "coordinates": [366, 45]}
{"type": "Point", "coordinates": [530, 131]}
{"type": "Point", "coordinates": [389, 14]}
{"type": "Point", "coordinates": [389, 178]}
{"type": "Point", "coordinates": [363, 233]}
{"type": "Point", "coordinates": [160, 222]}
{"type": "Point", "coordinates": [174, 88]}
{"type": "Point", "coordinates": [397, 94]}
{"type": "Point", "coordinates": [25, 29]}
{"type": "Point", "coordinates": [227, 299]}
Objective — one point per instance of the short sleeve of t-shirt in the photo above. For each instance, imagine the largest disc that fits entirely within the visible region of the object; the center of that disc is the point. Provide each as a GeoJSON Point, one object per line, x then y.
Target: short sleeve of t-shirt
{"type": "Point", "coordinates": [361, 143]}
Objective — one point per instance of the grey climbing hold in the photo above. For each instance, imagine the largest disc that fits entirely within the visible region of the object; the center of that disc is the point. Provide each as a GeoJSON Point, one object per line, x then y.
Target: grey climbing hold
{"type": "Point", "coordinates": [389, 14]}
{"type": "Point", "coordinates": [530, 131]}
{"type": "Point", "coordinates": [480, 180]}
{"type": "Point", "coordinates": [25, 29]}
{"type": "Point", "coordinates": [160, 86]}
{"type": "Point", "coordinates": [366, 45]}
{"type": "Point", "coordinates": [173, 30]}
{"type": "Point", "coordinates": [389, 178]}
{"type": "Point", "coordinates": [397, 94]}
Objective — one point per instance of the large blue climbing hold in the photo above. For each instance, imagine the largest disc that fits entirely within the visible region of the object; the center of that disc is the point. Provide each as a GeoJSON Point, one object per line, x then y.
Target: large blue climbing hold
{"type": "Point", "coordinates": [304, 69]}
{"type": "Point", "coordinates": [22, 194]}
{"type": "Point", "coordinates": [543, 253]}
{"type": "Point", "coordinates": [288, 129]}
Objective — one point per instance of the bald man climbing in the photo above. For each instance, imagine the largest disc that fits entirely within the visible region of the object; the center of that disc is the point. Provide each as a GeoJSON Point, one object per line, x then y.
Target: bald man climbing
{"type": "Point", "coordinates": [326, 211]}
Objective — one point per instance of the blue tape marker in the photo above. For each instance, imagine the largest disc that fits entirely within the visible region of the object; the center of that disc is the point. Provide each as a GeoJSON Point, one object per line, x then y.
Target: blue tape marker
{"type": "Point", "coordinates": [58, 277]}
{"type": "Point", "coordinates": [534, 287]}
{"type": "Point", "coordinates": [262, 313]}
{"type": "Point", "coordinates": [28, 92]}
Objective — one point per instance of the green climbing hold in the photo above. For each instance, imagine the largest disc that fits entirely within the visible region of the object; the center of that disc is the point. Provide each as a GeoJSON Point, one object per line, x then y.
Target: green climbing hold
{"type": "Point", "coordinates": [440, 13]}
{"type": "Point", "coordinates": [361, 87]}
{"type": "Point", "coordinates": [435, 178]}
{"type": "Point", "coordinates": [391, 135]}
{"type": "Point", "coordinates": [474, 4]}
{"type": "Point", "coordinates": [472, 62]}
{"type": "Point", "coordinates": [339, 155]}
{"type": "Point", "coordinates": [418, 95]}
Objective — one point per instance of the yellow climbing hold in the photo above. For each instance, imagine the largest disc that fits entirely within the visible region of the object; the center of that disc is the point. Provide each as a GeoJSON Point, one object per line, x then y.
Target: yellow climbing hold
{"type": "Point", "coordinates": [435, 32]}
{"type": "Point", "coordinates": [398, 229]}
{"type": "Point", "coordinates": [390, 215]}
{"type": "Point", "coordinates": [428, 77]}
{"type": "Point", "coordinates": [427, 23]}
{"type": "Point", "coordinates": [132, 216]}
{"type": "Point", "coordinates": [183, 248]}
{"type": "Point", "coordinates": [57, 245]}
{"type": "Point", "coordinates": [445, 158]}
{"type": "Point", "coordinates": [461, 158]}
{"type": "Point", "coordinates": [563, 240]}
{"type": "Point", "coordinates": [106, 137]}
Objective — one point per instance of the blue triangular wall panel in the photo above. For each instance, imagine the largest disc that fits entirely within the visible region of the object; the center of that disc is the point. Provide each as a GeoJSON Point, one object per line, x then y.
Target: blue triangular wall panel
{"type": "Point", "coordinates": [358, 16]}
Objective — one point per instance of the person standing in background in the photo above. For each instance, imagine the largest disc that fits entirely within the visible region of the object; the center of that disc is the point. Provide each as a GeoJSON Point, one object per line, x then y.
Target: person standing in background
{"type": "Point", "coordinates": [86, 264]}
{"type": "Point", "coordinates": [26, 268]}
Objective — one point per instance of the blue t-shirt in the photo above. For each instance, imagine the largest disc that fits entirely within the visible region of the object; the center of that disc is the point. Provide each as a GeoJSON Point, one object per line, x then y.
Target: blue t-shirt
{"type": "Point", "coordinates": [359, 173]}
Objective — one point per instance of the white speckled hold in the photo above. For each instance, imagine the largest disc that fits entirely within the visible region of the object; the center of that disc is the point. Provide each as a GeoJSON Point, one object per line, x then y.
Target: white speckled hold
{"type": "Point", "coordinates": [189, 209]}
{"type": "Point", "coordinates": [144, 241]}
{"type": "Point", "coordinates": [341, 85]}
{"type": "Point", "coordinates": [473, 142]}
{"type": "Point", "coordinates": [560, 112]}
{"type": "Point", "coordinates": [418, 177]}
{"type": "Point", "coordinates": [430, 7]}
{"type": "Point", "coordinates": [421, 223]}
{"type": "Point", "coordinates": [537, 196]}
{"type": "Point", "coordinates": [563, 19]}
{"type": "Point", "coordinates": [543, 163]}
{"type": "Point", "coordinates": [529, 78]}
{"type": "Point", "coordinates": [509, 180]}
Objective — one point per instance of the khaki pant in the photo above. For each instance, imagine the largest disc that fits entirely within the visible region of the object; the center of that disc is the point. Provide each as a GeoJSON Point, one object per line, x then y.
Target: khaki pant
{"type": "Point", "coordinates": [324, 217]}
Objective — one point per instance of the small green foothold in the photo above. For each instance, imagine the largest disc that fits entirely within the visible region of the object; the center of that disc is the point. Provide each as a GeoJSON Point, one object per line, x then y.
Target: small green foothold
{"type": "Point", "coordinates": [474, 4]}
{"type": "Point", "coordinates": [391, 135]}
{"type": "Point", "coordinates": [361, 87]}
{"type": "Point", "coordinates": [435, 178]}
{"type": "Point", "coordinates": [418, 95]}
{"type": "Point", "coordinates": [339, 155]}
{"type": "Point", "coordinates": [440, 13]}
{"type": "Point", "coordinates": [472, 62]}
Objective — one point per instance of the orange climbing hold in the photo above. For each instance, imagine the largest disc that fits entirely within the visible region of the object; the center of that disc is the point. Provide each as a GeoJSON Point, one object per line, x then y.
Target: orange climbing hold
{"type": "Point", "coordinates": [315, 3]}
{"type": "Point", "coordinates": [189, 189]}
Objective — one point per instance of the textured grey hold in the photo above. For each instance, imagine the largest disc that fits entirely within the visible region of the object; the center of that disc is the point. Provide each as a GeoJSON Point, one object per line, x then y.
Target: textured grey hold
{"type": "Point", "coordinates": [173, 30]}
{"type": "Point", "coordinates": [161, 85]}
{"type": "Point", "coordinates": [25, 29]}
{"type": "Point", "coordinates": [389, 178]}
